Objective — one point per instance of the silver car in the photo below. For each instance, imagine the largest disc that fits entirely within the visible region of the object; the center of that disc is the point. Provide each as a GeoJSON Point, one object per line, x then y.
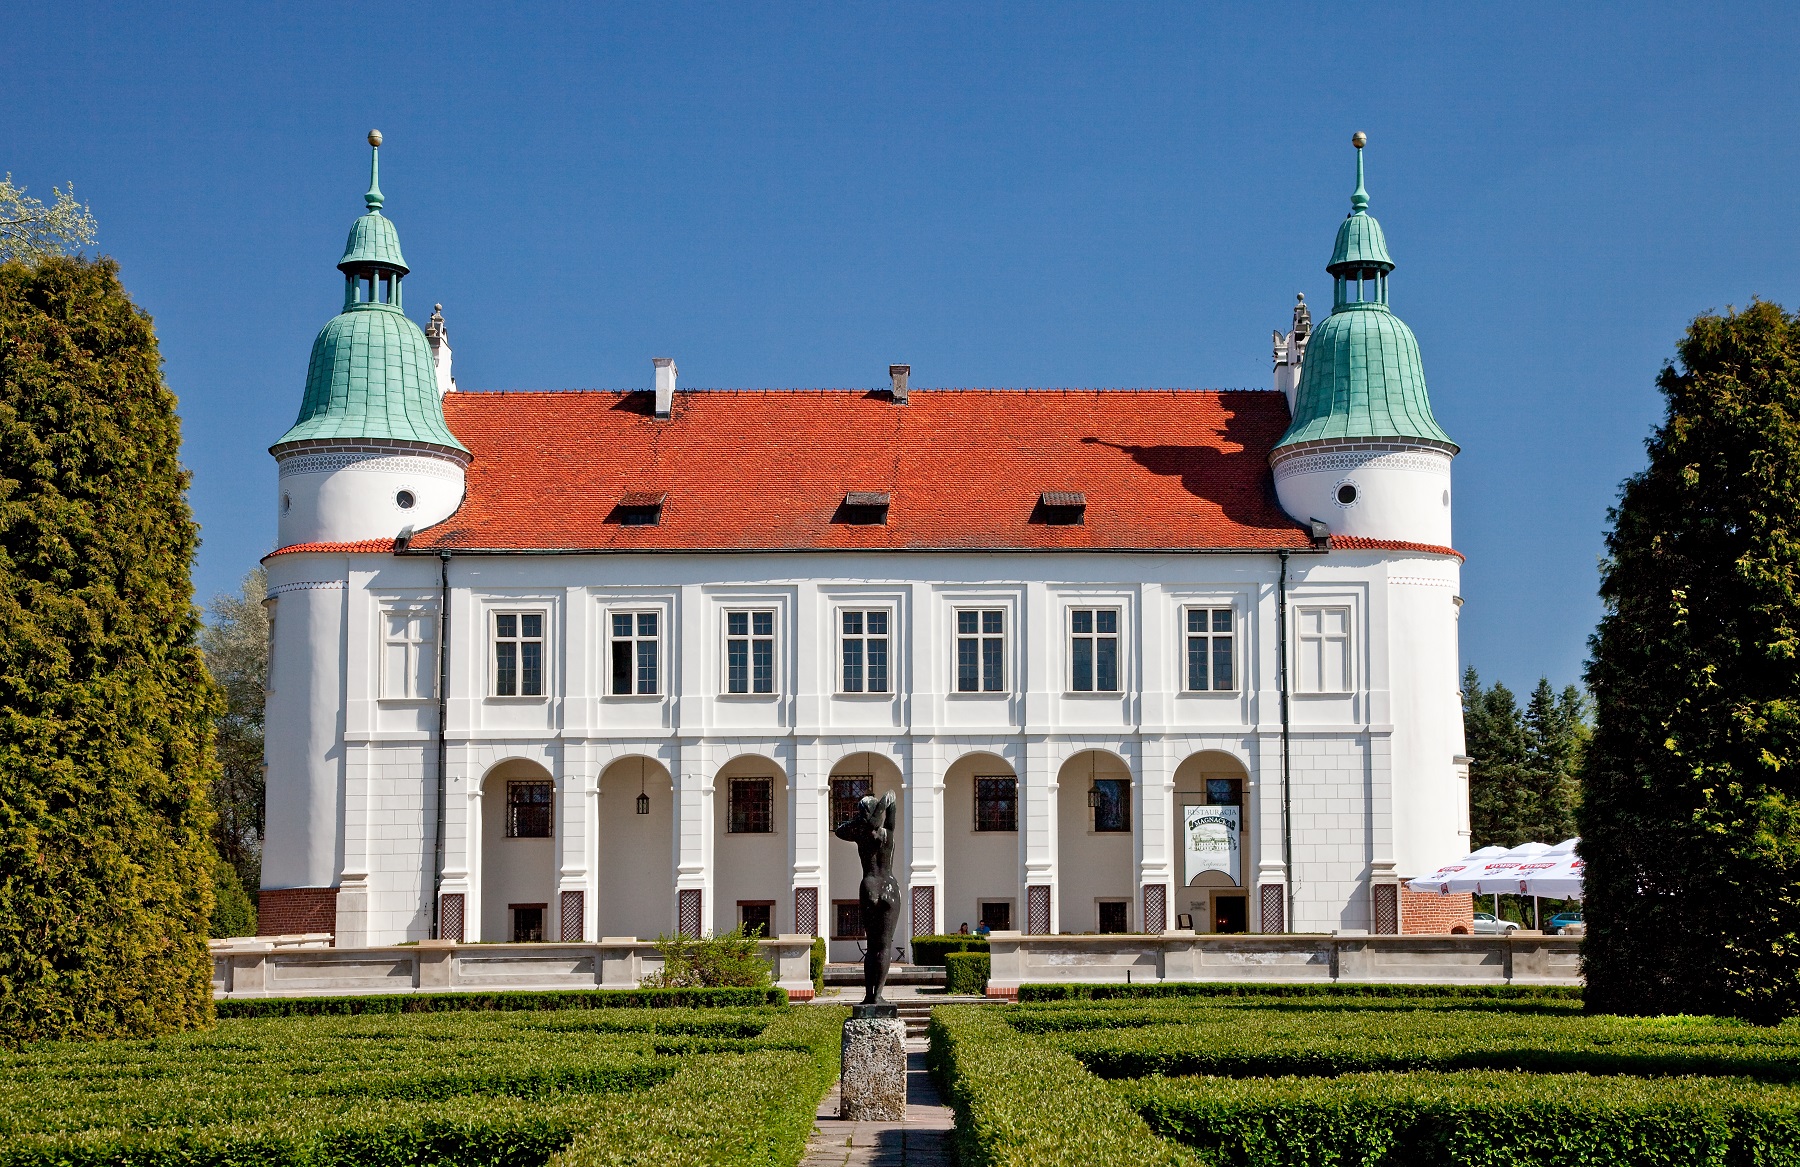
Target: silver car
{"type": "Point", "coordinates": [1487, 925]}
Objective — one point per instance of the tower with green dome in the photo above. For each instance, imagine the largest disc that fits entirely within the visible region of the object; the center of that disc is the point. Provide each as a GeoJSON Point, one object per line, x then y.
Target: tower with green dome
{"type": "Point", "coordinates": [1363, 454]}
{"type": "Point", "coordinates": [370, 454]}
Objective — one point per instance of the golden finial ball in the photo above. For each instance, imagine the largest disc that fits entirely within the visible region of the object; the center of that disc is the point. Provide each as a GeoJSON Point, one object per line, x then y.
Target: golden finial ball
{"type": "Point", "coordinates": [375, 137]}
{"type": "Point", "coordinates": [1358, 139]}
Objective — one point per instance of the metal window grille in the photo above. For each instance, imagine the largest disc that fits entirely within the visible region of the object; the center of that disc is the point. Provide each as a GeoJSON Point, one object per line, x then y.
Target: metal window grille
{"type": "Point", "coordinates": [450, 916]}
{"type": "Point", "coordinates": [846, 920]}
{"type": "Point", "coordinates": [1210, 657]}
{"type": "Point", "coordinates": [1273, 913]}
{"type": "Point", "coordinates": [530, 809]}
{"type": "Point", "coordinates": [806, 911]}
{"type": "Point", "coordinates": [1113, 914]}
{"type": "Point", "coordinates": [752, 806]}
{"type": "Point", "coordinates": [1386, 898]}
{"type": "Point", "coordinates": [924, 910]}
{"type": "Point", "coordinates": [1156, 907]}
{"type": "Point", "coordinates": [688, 911]}
{"type": "Point", "coordinates": [996, 804]}
{"type": "Point", "coordinates": [847, 794]}
{"type": "Point", "coordinates": [1094, 650]}
{"type": "Point", "coordinates": [1037, 911]}
{"type": "Point", "coordinates": [996, 915]}
{"type": "Point", "coordinates": [757, 917]}
{"type": "Point", "coordinates": [571, 909]}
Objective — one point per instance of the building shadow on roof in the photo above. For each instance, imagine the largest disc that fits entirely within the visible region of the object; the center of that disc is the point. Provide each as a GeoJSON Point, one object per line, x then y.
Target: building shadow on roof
{"type": "Point", "coordinates": [1238, 482]}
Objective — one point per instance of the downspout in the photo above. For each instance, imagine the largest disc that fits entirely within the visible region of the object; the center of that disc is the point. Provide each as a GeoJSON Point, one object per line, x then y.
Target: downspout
{"type": "Point", "coordinates": [443, 709]}
{"type": "Point", "coordinates": [1287, 792]}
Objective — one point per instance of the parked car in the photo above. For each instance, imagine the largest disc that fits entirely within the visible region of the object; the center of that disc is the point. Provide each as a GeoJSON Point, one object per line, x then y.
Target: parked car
{"type": "Point", "coordinates": [1487, 925]}
{"type": "Point", "coordinates": [1555, 924]}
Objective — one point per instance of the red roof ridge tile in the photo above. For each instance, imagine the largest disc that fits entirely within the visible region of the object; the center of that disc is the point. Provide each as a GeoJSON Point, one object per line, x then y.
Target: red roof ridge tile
{"type": "Point", "coordinates": [1364, 543]}
{"type": "Point", "coordinates": [360, 545]}
{"type": "Point", "coordinates": [864, 390]}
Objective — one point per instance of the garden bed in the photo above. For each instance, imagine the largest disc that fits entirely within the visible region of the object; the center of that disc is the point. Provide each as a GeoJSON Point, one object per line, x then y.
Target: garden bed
{"type": "Point", "coordinates": [578, 1089]}
{"type": "Point", "coordinates": [1441, 1079]}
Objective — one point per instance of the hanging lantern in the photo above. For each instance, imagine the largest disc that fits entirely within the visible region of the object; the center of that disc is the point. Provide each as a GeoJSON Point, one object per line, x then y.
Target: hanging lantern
{"type": "Point", "coordinates": [643, 800]}
{"type": "Point", "coordinates": [1093, 782]}
{"type": "Point", "coordinates": [1094, 796]}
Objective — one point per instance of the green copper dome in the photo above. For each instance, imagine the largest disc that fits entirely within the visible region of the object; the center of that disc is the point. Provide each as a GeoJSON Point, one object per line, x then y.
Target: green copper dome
{"type": "Point", "coordinates": [1362, 377]}
{"type": "Point", "coordinates": [371, 374]}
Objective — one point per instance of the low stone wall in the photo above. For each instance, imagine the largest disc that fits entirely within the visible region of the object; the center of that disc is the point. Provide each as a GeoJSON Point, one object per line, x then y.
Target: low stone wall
{"type": "Point", "coordinates": [262, 968]}
{"type": "Point", "coordinates": [1186, 956]}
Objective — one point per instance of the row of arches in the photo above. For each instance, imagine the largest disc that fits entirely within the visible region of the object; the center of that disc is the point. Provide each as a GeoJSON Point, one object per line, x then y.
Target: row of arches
{"type": "Point", "coordinates": [981, 861]}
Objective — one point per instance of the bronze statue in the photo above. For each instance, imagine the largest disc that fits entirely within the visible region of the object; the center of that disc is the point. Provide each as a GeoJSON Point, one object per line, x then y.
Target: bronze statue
{"type": "Point", "coordinates": [871, 828]}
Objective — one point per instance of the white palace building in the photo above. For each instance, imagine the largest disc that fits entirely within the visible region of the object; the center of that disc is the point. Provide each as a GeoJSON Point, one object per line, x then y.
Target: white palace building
{"type": "Point", "coordinates": [575, 665]}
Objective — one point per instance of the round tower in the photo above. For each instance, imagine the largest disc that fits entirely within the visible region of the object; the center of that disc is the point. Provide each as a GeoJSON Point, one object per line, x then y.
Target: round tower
{"type": "Point", "coordinates": [1364, 455]}
{"type": "Point", "coordinates": [370, 455]}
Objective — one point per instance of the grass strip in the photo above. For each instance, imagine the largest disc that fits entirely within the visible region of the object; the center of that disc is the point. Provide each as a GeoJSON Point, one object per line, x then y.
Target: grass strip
{"type": "Point", "coordinates": [1061, 992]}
{"type": "Point", "coordinates": [1021, 1105]}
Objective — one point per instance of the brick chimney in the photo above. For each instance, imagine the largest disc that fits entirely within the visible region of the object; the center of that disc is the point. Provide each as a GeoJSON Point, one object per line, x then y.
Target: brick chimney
{"type": "Point", "coordinates": [665, 384]}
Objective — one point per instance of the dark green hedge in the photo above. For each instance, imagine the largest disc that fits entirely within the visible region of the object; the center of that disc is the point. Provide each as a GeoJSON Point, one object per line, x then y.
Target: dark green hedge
{"type": "Point", "coordinates": [502, 1002]}
{"type": "Point", "coordinates": [966, 973]}
{"type": "Point", "coordinates": [105, 705]}
{"type": "Point", "coordinates": [1062, 992]}
{"type": "Point", "coordinates": [933, 949]}
{"type": "Point", "coordinates": [818, 964]}
{"type": "Point", "coordinates": [1494, 1120]}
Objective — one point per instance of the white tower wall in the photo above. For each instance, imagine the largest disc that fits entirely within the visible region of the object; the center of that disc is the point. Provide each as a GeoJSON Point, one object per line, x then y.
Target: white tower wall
{"type": "Point", "coordinates": [303, 731]}
{"type": "Point", "coordinates": [1430, 786]}
{"type": "Point", "coordinates": [1396, 490]}
{"type": "Point", "coordinates": [351, 493]}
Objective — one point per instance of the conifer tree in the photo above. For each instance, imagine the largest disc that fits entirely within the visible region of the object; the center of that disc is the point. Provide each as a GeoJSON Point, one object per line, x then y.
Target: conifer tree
{"type": "Point", "coordinates": [1690, 820]}
{"type": "Point", "coordinates": [105, 706]}
{"type": "Point", "coordinates": [1500, 813]}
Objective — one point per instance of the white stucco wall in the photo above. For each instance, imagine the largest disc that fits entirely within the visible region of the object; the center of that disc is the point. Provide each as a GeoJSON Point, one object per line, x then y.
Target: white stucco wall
{"type": "Point", "coordinates": [349, 493]}
{"type": "Point", "coordinates": [1091, 865]}
{"type": "Point", "coordinates": [636, 885]}
{"type": "Point", "coordinates": [513, 871]}
{"type": "Point", "coordinates": [1402, 491]}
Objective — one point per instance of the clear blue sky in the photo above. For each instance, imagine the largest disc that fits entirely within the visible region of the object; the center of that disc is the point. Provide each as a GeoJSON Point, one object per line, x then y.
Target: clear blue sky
{"type": "Point", "coordinates": [1003, 195]}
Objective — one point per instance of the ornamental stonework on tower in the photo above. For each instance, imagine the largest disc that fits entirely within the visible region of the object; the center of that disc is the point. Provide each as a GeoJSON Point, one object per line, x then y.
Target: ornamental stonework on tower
{"type": "Point", "coordinates": [571, 665]}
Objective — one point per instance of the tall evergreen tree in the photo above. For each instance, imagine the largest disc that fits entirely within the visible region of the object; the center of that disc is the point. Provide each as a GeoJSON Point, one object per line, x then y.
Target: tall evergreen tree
{"type": "Point", "coordinates": [1689, 820]}
{"type": "Point", "coordinates": [236, 641]}
{"type": "Point", "coordinates": [1556, 732]}
{"type": "Point", "coordinates": [105, 705]}
{"type": "Point", "coordinates": [1500, 812]}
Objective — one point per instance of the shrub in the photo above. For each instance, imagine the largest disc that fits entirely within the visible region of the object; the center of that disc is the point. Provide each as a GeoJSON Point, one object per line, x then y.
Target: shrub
{"type": "Point", "coordinates": [105, 705]}
{"type": "Point", "coordinates": [507, 1002]}
{"type": "Point", "coordinates": [1020, 1105]}
{"type": "Point", "coordinates": [232, 913]}
{"type": "Point", "coordinates": [1073, 992]}
{"type": "Point", "coordinates": [933, 949]}
{"type": "Point", "coordinates": [966, 973]}
{"type": "Point", "coordinates": [818, 964]}
{"type": "Point", "coordinates": [727, 960]}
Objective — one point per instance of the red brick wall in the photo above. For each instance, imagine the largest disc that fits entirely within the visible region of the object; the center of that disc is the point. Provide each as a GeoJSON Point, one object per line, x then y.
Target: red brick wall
{"type": "Point", "coordinates": [296, 909]}
{"type": "Point", "coordinates": [1422, 912]}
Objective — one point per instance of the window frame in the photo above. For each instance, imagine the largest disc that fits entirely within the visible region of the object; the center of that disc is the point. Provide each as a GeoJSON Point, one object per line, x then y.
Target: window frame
{"type": "Point", "coordinates": [1094, 637]}
{"type": "Point", "coordinates": [862, 932]}
{"type": "Point", "coordinates": [495, 640]}
{"type": "Point", "coordinates": [1124, 802]}
{"type": "Point", "coordinates": [835, 802]}
{"type": "Point", "coordinates": [732, 818]}
{"type": "Point", "coordinates": [981, 636]}
{"type": "Point", "coordinates": [843, 637]}
{"type": "Point", "coordinates": [513, 806]}
{"type": "Point", "coordinates": [769, 932]}
{"type": "Point", "coordinates": [1300, 638]}
{"type": "Point", "coordinates": [750, 611]}
{"type": "Point", "coordinates": [636, 613]}
{"type": "Point", "coordinates": [425, 668]}
{"type": "Point", "coordinates": [975, 790]}
{"type": "Point", "coordinates": [1185, 646]}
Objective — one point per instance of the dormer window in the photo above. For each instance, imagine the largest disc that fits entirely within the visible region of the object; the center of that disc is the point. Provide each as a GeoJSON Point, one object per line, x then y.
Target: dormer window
{"type": "Point", "coordinates": [641, 508]}
{"type": "Point", "coordinates": [864, 508]}
{"type": "Point", "coordinates": [1062, 508]}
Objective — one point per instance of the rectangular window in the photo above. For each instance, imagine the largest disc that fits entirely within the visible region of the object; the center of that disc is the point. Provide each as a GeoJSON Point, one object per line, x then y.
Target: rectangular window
{"type": "Point", "coordinates": [752, 806]}
{"type": "Point", "coordinates": [529, 810]}
{"type": "Point", "coordinates": [996, 804]}
{"type": "Point", "coordinates": [636, 655]}
{"type": "Point", "coordinates": [1209, 653]}
{"type": "Point", "coordinates": [1112, 915]}
{"type": "Point", "coordinates": [865, 651]}
{"type": "Point", "coordinates": [981, 651]}
{"type": "Point", "coordinates": [757, 917]}
{"type": "Point", "coordinates": [1322, 643]}
{"type": "Point", "coordinates": [409, 657]}
{"type": "Point", "coordinates": [996, 915]}
{"type": "Point", "coordinates": [518, 654]}
{"type": "Point", "coordinates": [1112, 810]}
{"type": "Point", "coordinates": [528, 923]}
{"type": "Point", "coordinates": [1225, 791]}
{"type": "Point", "coordinates": [749, 652]}
{"type": "Point", "coordinates": [1094, 650]}
{"type": "Point", "coordinates": [846, 795]}
{"type": "Point", "coordinates": [846, 920]}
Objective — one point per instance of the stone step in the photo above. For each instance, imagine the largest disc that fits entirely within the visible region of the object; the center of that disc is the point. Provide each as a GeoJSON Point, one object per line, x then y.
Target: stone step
{"type": "Point", "coordinates": [899, 974]}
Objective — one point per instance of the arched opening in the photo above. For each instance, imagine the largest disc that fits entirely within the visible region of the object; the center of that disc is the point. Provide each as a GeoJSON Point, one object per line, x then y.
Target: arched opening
{"type": "Point", "coordinates": [841, 916]}
{"type": "Point", "coordinates": [982, 816]}
{"type": "Point", "coordinates": [518, 853]}
{"type": "Point", "coordinates": [637, 851]}
{"type": "Point", "coordinates": [750, 847]}
{"type": "Point", "coordinates": [1211, 795]}
{"type": "Point", "coordinates": [1094, 850]}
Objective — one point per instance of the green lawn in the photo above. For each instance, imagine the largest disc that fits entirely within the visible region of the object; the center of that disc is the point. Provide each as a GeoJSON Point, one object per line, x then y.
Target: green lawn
{"type": "Point", "coordinates": [663, 1086]}
{"type": "Point", "coordinates": [1421, 1081]}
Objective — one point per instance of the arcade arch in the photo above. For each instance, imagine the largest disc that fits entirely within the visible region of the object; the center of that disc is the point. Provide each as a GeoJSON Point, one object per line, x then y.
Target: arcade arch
{"type": "Point", "coordinates": [1095, 848]}
{"type": "Point", "coordinates": [636, 884]}
{"type": "Point", "coordinates": [1214, 897]}
{"type": "Point", "coordinates": [982, 858]}
{"type": "Point", "coordinates": [750, 846]}
{"type": "Point", "coordinates": [518, 852]}
{"type": "Point", "coordinates": [853, 776]}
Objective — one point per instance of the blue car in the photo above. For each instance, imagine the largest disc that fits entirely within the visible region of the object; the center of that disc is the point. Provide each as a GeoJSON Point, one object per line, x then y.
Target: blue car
{"type": "Point", "coordinates": [1555, 924]}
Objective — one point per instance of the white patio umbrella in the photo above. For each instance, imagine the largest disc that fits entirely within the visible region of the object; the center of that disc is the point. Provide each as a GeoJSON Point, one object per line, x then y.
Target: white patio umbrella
{"type": "Point", "coordinates": [1437, 883]}
{"type": "Point", "coordinates": [1556, 875]}
{"type": "Point", "coordinates": [1498, 874]}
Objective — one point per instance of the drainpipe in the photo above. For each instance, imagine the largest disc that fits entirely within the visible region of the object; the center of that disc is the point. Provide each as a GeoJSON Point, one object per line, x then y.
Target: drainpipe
{"type": "Point", "coordinates": [1287, 791]}
{"type": "Point", "coordinates": [443, 709]}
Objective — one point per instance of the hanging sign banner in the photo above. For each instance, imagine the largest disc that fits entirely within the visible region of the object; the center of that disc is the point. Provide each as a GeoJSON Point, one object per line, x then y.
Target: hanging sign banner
{"type": "Point", "coordinates": [1213, 839]}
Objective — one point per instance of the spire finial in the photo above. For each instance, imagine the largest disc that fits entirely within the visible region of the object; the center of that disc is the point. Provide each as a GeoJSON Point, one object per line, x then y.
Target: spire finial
{"type": "Point", "coordinates": [373, 198]}
{"type": "Point", "coordinates": [1359, 201]}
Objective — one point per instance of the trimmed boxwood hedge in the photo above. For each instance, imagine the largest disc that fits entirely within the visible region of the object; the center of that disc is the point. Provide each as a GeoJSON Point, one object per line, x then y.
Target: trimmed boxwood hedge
{"type": "Point", "coordinates": [966, 973]}
{"type": "Point", "coordinates": [1069, 992]}
{"type": "Point", "coordinates": [1491, 1119]}
{"type": "Point", "coordinates": [933, 949]}
{"type": "Point", "coordinates": [507, 1002]}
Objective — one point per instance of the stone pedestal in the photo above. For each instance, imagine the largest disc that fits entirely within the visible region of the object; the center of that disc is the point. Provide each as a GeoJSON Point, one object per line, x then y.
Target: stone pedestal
{"type": "Point", "coordinates": [873, 1088]}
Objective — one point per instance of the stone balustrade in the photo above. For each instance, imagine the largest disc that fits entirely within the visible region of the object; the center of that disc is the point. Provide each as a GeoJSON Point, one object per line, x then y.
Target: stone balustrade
{"type": "Point", "coordinates": [1518, 959]}
{"type": "Point", "coordinates": [251, 968]}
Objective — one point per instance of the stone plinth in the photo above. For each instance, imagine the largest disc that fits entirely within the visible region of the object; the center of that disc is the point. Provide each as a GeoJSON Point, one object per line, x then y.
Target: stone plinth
{"type": "Point", "coordinates": [874, 1083]}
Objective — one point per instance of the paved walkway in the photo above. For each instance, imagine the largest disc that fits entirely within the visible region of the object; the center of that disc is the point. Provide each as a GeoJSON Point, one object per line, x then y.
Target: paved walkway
{"type": "Point", "coordinates": [923, 1140]}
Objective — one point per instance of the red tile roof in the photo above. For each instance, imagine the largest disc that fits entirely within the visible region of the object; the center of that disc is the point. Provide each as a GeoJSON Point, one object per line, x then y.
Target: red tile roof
{"type": "Point", "coordinates": [1362, 543]}
{"type": "Point", "coordinates": [360, 545]}
{"type": "Point", "coordinates": [769, 470]}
